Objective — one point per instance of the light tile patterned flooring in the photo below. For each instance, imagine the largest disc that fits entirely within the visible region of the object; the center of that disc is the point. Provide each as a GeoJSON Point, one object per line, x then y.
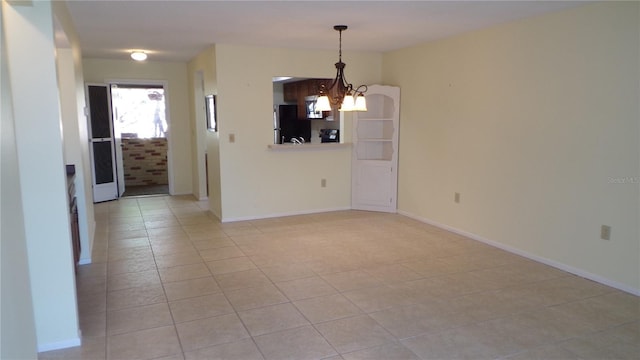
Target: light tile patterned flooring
{"type": "Point", "coordinates": [169, 281]}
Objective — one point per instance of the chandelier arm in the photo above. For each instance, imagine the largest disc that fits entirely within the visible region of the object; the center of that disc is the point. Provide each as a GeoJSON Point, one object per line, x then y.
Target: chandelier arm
{"type": "Point", "coordinates": [326, 91]}
{"type": "Point", "coordinates": [340, 84]}
{"type": "Point", "coordinates": [361, 89]}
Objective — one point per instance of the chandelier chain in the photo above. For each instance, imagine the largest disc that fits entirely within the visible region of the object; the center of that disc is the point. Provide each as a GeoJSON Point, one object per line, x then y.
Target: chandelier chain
{"type": "Point", "coordinates": [340, 47]}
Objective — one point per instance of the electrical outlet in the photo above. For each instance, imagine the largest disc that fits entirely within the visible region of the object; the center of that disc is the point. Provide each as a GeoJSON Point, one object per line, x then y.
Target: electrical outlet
{"type": "Point", "coordinates": [232, 138]}
{"type": "Point", "coordinates": [323, 182]}
{"type": "Point", "coordinates": [605, 232]}
{"type": "Point", "coordinates": [456, 198]}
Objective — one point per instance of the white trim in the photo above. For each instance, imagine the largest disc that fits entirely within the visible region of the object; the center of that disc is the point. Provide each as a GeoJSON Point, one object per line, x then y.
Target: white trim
{"type": "Point", "coordinates": [200, 128]}
{"type": "Point", "coordinates": [294, 213]}
{"type": "Point", "coordinates": [84, 261]}
{"type": "Point", "coordinates": [91, 241]}
{"type": "Point", "coordinates": [388, 209]}
{"type": "Point", "coordinates": [60, 344]}
{"type": "Point", "coordinates": [528, 255]}
{"type": "Point", "coordinates": [179, 194]}
{"type": "Point", "coordinates": [307, 146]}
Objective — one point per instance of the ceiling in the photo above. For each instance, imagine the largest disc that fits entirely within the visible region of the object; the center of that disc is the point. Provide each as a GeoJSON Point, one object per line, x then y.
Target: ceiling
{"type": "Point", "coordinates": [177, 30]}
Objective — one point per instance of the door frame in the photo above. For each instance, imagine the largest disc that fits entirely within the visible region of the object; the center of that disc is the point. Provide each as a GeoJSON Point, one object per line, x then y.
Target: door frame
{"type": "Point", "coordinates": [165, 86]}
{"type": "Point", "coordinates": [201, 176]}
{"type": "Point", "coordinates": [117, 143]}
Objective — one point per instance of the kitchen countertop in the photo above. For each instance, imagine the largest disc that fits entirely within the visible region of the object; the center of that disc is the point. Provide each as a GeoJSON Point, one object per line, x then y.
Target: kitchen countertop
{"type": "Point", "coordinates": [307, 146]}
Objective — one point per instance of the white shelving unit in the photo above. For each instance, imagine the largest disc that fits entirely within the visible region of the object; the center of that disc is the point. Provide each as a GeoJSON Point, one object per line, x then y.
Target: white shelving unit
{"type": "Point", "coordinates": [375, 151]}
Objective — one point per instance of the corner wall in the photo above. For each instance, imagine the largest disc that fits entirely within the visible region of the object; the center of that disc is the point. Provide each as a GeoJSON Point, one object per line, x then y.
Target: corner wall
{"type": "Point", "coordinates": [17, 324]}
{"type": "Point", "coordinates": [42, 183]}
{"type": "Point", "coordinates": [536, 124]}
{"type": "Point", "coordinates": [75, 132]}
{"type": "Point", "coordinates": [203, 81]}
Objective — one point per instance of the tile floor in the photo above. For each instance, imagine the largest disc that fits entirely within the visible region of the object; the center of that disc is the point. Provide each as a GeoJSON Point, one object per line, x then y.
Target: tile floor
{"type": "Point", "coordinates": [169, 281]}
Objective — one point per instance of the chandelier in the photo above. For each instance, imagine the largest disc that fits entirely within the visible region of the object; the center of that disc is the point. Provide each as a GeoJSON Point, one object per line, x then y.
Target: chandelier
{"type": "Point", "coordinates": [340, 91]}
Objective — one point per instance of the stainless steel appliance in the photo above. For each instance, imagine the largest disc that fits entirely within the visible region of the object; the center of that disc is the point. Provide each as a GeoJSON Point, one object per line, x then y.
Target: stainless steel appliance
{"type": "Point", "coordinates": [277, 137]}
{"type": "Point", "coordinates": [329, 135]}
{"type": "Point", "coordinates": [310, 105]}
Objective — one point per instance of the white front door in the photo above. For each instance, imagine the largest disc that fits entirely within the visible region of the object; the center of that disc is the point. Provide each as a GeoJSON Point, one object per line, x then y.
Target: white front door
{"type": "Point", "coordinates": [101, 143]}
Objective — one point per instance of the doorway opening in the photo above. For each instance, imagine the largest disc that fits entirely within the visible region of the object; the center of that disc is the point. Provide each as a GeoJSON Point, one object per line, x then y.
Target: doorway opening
{"type": "Point", "coordinates": [140, 131]}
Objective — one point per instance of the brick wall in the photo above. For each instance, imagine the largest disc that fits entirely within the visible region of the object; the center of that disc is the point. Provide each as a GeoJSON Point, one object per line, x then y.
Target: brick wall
{"type": "Point", "coordinates": [145, 161]}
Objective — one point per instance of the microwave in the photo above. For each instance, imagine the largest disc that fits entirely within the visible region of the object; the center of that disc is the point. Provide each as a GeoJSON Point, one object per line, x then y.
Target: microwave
{"type": "Point", "coordinates": [310, 105]}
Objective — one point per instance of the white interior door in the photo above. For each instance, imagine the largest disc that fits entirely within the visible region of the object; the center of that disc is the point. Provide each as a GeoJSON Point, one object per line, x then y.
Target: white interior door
{"type": "Point", "coordinates": [101, 144]}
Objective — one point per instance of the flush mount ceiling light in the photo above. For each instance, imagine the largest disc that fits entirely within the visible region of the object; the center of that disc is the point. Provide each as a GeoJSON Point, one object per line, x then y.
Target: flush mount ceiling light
{"type": "Point", "coordinates": [139, 56]}
{"type": "Point", "coordinates": [340, 91]}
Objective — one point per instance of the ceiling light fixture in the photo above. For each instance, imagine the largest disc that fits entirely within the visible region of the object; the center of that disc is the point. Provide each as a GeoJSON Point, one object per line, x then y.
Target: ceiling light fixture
{"type": "Point", "coordinates": [340, 91]}
{"type": "Point", "coordinates": [139, 56]}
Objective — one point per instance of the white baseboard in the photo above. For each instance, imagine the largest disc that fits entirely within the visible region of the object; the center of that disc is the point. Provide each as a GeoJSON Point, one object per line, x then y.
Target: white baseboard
{"type": "Point", "coordinates": [528, 255]}
{"type": "Point", "coordinates": [294, 213]}
{"type": "Point", "coordinates": [60, 344]}
{"type": "Point", "coordinates": [91, 241]}
{"type": "Point", "coordinates": [182, 194]}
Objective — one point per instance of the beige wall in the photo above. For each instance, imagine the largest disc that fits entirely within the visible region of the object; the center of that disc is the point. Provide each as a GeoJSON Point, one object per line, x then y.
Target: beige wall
{"type": "Point", "coordinates": [17, 324]}
{"type": "Point", "coordinates": [257, 182]}
{"type": "Point", "coordinates": [43, 194]}
{"type": "Point", "coordinates": [74, 122]}
{"type": "Point", "coordinates": [534, 123]}
{"type": "Point", "coordinates": [175, 74]}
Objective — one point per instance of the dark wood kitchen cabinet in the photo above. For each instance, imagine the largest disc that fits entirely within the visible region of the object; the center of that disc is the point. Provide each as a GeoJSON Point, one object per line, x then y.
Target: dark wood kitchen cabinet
{"type": "Point", "coordinates": [290, 91]}
{"type": "Point", "coordinates": [298, 91]}
{"type": "Point", "coordinates": [301, 101]}
{"type": "Point", "coordinates": [314, 85]}
{"type": "Point", "coordinates": [73, 213]}
{"type": "Point", "coordinates": [295, 92]}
